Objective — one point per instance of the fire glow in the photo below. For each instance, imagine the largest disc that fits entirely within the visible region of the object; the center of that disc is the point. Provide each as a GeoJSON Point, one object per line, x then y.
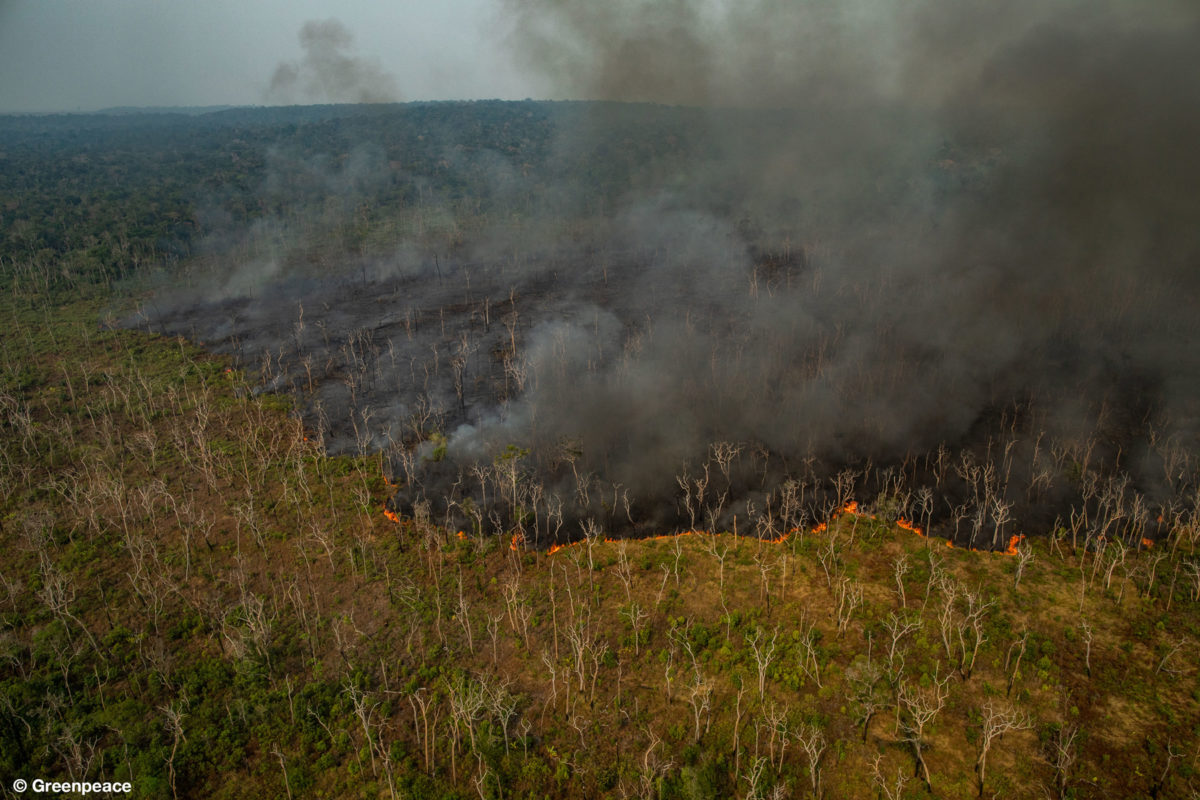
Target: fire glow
{"type": "Point", "coordinates": [518, 541]}
{"type": "Point", "coordinates": [850, 507]}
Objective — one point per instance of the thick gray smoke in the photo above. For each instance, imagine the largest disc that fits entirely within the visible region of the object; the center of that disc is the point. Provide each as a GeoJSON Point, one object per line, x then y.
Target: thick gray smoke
{"type": "Point", "coordinates": [329, 72]}
{"type": "Point", "coordinates": [1000, 200]}
{"type": "Point", "coordinates": [955, 241]}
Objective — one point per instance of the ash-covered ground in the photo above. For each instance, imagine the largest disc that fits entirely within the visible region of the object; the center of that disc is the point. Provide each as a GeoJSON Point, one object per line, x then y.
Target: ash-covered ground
{"type": "Point", "coordinates": [956, 281]}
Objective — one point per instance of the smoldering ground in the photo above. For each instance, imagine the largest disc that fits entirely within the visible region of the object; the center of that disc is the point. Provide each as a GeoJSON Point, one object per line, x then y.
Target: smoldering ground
{"type": "Point", "coordinates": [943, 257]}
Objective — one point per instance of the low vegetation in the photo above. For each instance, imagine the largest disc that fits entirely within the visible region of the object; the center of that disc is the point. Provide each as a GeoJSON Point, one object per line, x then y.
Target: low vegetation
{"type": "Point", "coordinates": [194, 598]}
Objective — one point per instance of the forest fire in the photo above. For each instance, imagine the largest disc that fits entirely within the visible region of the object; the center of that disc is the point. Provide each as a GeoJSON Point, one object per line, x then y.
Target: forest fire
{"type": "Point", "coordinates": [519, 541]}
{"type": "Point", "coordinates": [850, 507]}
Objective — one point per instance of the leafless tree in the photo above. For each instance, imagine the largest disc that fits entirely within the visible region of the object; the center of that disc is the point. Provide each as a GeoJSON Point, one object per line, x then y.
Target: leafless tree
{"type": "Point", "coordinates": [900, 568]}
{"type": "Point", "coordinates": [864, 679]}
{"type": "Point", "coordinates": [765, 567]}
{"type": "Point", "coordinates": [890, 792]}
{"type": "Point", "coordinates": [699, 698]}
{"type": "Point", "coordinates": [918, 707]}
{"type": "Point", "coordinates": [898, 627]}
{"type": "Point", "coordinates": [806, 653]}
{"type": "Point", "coordinates": [1170, 652]}
{"type": "Point", "coordinates": [764, 653]}
{"type": "Point", "coordinates": [1019, 647]}
{"type": "Point", "coordinates": [174, 723]}
{"type": "Point", "coordinates": [849, 599]}
{"type": "Point", "coordinates": [998, 719]}
{"type": "Point", "coordinates": [812, 740]}
{"type": "Point", "coordinates": [1087, 644]}
{"type": "Point", "coordinates": [653, 768]}
{"type": "Point", "coordinates": [464, 615]}
{"type": "Point", "coordinates": [637, 617]}
{"type": "Point", "coordinates": [624, 570]}
{"type": "Point", "coordinates": [1024, 556]}
{"type": "Point", "coordinates": [962, 631]}
{"type": "Point", "coordinates": [1060, 753]}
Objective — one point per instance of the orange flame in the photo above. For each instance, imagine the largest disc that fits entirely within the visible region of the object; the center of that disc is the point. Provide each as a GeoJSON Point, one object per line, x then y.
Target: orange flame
{"type": "Point", "coordinates": [1147, 543]}
{"type": "Point", "coordinates": [518, 539]}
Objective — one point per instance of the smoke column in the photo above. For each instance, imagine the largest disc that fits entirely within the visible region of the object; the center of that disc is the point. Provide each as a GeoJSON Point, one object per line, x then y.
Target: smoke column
{"type": "Point", "coordinates": [329, 72]}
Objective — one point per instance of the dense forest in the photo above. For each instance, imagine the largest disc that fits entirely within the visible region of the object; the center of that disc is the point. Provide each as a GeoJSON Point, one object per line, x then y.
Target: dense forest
{"type": "Point", "coordinates": [524, 449]}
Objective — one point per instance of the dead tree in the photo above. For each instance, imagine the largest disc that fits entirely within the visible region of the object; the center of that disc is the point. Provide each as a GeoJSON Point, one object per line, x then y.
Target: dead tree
{"type": "Point", "coordinates": [889, 792]}
{"type": "Point", "coordinates": [700, 699]}
{"type": "Point", "coordinates": [998, 719]}
{"type": "Point", "coordinates": [764, 653]}
{"type": "Point", "coordinates": [865, 680]}
{"type": "Point", "coordinates": [1060, 753]}
{"type": "Point", "coordinates": [812, 740]}
{"type": "Point", "coordinates": [174, 724]}
{"type": "Point", "coordinates": [1024, 556]}
{"type": "Point", "coordinates": [919, 706]}
{"type": "Point", "coordinates": [898, 627]}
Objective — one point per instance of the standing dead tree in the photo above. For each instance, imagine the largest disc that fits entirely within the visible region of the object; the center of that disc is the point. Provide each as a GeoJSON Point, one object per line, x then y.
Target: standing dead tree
{"type": "Point", "coordinates": [849, 599]}
{"type": "Point", "coordinates": [764, 653]}
{"type": "Point", "coordinates": [865, 680]}
{"type": "Point", "coordinates": [1024, 556]}
{"type": "Point", "coordinates": [919, 706]}
{"type": "Point", "coordinates": [812, 740]}
{"type": "Point", "coordinates": [998, 719]}
{"type": "Point", "coordinates": [963, 629]}
{"type": "Point", "coordinates": [1060, 754]}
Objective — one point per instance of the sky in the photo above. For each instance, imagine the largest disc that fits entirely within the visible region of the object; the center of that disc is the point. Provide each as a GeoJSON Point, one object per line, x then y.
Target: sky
{"type": "Point", "coordinates": [72, 55]}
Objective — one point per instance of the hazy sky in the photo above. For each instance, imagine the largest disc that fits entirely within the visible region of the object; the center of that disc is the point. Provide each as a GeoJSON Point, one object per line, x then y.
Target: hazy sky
{"type": "Point", "coordinates": [87, 54]}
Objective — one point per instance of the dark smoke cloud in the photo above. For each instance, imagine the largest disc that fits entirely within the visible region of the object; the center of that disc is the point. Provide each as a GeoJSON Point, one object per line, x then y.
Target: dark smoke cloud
{"type": "Point", "coordinates": [997, 180]}
{"type": "Point", "coordinates": [999, 200]}
{"type": "Point", "coordinates": [900, 226]}
{"type": "Point", "coordinates": [329, 72]}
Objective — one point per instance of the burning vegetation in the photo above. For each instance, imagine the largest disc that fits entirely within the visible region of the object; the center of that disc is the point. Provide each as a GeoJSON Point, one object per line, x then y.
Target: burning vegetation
{"type": "Point", "coordinates": [685, 408]}
{"type": "Point", "coordinates": [964, 299]}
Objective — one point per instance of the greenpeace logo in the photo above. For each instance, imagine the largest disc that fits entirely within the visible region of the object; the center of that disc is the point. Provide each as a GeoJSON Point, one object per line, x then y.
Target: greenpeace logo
{"type": "Point", "coordinates": [39, 786]}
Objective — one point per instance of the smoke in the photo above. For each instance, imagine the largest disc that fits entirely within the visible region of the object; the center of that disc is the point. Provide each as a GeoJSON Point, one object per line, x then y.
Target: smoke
{"type": "Point", "coordinates": [950, 240]}
{"type": "Point", "coordinates": [1005, 193]}
{"type": "Point", "coordinates": [329, 72]}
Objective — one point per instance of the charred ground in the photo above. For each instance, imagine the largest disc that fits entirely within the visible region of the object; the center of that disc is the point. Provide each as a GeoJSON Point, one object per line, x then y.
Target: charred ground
{"type": "Point", "coordinates": [587, 301]}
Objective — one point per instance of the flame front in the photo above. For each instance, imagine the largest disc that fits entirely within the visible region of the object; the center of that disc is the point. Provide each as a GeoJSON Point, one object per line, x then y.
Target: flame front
{"type": "Point", "coordinates": [519, 541]}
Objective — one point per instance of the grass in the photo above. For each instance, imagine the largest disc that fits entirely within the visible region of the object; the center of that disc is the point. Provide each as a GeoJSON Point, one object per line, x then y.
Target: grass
{"type": "Point", "coordinates": [176, 547]}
